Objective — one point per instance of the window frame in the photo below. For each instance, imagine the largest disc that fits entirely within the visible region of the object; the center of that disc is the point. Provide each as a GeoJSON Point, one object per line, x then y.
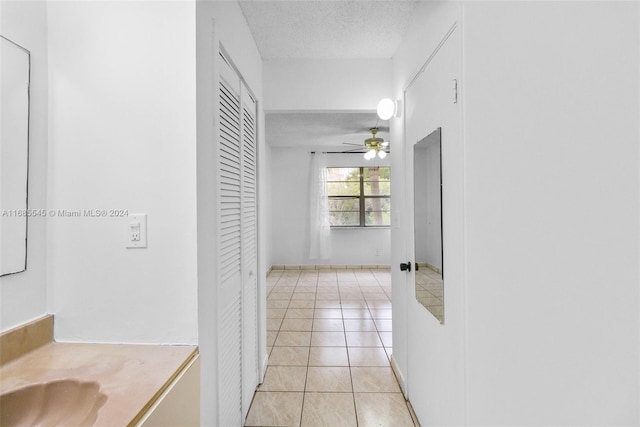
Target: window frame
{"type": "Point", "coordinates": [362, 197]}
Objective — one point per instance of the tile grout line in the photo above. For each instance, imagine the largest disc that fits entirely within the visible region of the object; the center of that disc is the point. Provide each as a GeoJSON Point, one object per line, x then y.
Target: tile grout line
{"type": "Point", "coordinates": [376, 326]}
{"type": "Point", "coordinates": [306, 375]}
{"type": "Point", "coordinates": [344, 328]}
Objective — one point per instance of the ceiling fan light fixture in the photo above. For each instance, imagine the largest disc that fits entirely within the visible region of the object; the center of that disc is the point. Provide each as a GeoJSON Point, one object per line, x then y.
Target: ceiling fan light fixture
{"type": "Point", "coordinates": [370, 154]}
{"type": "Point", "coordinates": [375, 146]}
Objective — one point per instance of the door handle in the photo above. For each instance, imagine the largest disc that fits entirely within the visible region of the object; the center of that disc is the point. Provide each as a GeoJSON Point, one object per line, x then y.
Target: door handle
{"type": "Point", "coordinates": [405, 267]}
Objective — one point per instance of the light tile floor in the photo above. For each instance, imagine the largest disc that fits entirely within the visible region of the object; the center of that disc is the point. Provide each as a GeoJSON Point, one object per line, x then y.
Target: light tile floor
{"type": "Point", "coordinates": [329, 343]}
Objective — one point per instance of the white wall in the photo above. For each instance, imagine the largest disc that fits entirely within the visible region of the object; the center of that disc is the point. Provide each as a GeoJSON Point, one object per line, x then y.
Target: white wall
{"type": "Point", "coordinates": [23, 296]}
{"type": "Point", "coordinates": [326, 84]}
{"type": "Point", "coordinates": [290, 218]}
{"type": "Point", "coordinates": [552, 212]}
{"type": "Point", "coordinates": [551, 207]}
{"type": "Point", "coordinates": [223, 22]}
{"type": "Point", "coordinates": [122, 136]}
{"type": "Point", "coordinates": [347, 85]}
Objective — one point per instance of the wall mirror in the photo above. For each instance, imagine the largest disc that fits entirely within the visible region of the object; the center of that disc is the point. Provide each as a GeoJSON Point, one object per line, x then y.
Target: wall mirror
{"type": "Point", "coordinates": [14, 155]}
{"type": "Point", "coordinates": [427, 184]}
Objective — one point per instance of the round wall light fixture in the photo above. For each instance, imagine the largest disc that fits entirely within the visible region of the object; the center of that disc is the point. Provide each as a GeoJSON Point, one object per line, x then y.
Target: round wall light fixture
{"type": "Point", "coordinates": [388, 108]}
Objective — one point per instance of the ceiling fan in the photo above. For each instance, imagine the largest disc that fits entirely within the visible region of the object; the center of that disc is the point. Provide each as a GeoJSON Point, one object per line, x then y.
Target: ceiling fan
{"type": "Point", "coordinates": [373, 146]}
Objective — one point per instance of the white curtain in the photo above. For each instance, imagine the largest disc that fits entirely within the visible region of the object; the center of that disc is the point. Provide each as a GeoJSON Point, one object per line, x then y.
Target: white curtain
{"type": "Point", "coordinates": [319, 226]}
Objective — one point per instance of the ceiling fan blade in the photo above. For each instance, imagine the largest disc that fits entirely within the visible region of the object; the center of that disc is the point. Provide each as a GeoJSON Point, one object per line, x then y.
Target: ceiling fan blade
{"type": "Point", "coordinates": [351, 143]}
{"type": "Point", "coordinates": [385, 144]}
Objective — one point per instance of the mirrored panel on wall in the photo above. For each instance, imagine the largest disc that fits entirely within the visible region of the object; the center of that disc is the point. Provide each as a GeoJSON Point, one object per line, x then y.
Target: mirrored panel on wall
{"type": "Point", "coordinates": [14, 156]}
{"type": "Point", "coordinates": [427, 181]}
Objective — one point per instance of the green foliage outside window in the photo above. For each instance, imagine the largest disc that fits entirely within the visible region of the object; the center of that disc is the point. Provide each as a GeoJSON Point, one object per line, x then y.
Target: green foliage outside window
{"type": "Point", "coordinates": [359, 197]}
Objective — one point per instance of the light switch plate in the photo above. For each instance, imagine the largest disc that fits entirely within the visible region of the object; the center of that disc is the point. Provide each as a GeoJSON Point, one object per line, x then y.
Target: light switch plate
{"type": "Point", "coordinates": [136, 231]}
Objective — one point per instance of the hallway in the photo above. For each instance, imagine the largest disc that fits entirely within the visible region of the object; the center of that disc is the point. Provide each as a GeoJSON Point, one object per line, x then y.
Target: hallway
{"type": "Point", "coordinates": [329, 343]}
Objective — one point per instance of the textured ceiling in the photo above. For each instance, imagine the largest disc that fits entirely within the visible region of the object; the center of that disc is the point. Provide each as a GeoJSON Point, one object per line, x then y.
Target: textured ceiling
{"type": "Point", "coordinates": [327, 29]}
{"type": "Point", "coordinates": [326, 131]}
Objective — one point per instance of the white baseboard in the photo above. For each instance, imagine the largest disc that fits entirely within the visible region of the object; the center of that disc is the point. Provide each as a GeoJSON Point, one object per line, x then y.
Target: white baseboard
{"type": "Point", "coordinates": [329, 267]}
{"type": "Point", "coordinates": [263, 368]}
{"type": "Point", "coordinates": [399, 376]}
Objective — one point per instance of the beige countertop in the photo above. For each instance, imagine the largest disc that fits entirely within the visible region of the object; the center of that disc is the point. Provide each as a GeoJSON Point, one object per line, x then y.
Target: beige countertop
{"type": "Point", "coordinates": [131, 376]}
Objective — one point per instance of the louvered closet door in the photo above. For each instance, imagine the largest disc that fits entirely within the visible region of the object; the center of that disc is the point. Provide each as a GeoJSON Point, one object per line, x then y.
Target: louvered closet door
{"type": "Point", "coordinates": [249, 251]}
{"type": "Point", "coordinates": [238, 249]}
{"type": "Point", "coordinates": [229, 173]}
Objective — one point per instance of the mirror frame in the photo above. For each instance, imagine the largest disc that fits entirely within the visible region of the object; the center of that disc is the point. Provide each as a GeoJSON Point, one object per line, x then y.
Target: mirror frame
{"type": "Point", "coordinates": [437, 277]}
{"type": "Point", "coordinates": [28, 140]}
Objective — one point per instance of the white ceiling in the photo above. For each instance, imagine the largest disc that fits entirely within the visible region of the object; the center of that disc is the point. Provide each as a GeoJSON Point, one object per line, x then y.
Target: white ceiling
{"type": "Point", "coordinates": [325, 131]}
{"type": "Point", "coordinates": [327, 29]}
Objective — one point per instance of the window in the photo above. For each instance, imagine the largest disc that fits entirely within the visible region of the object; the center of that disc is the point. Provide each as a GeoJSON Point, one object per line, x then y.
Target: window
{"type": "Point", "coordinates": [359, 197]}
